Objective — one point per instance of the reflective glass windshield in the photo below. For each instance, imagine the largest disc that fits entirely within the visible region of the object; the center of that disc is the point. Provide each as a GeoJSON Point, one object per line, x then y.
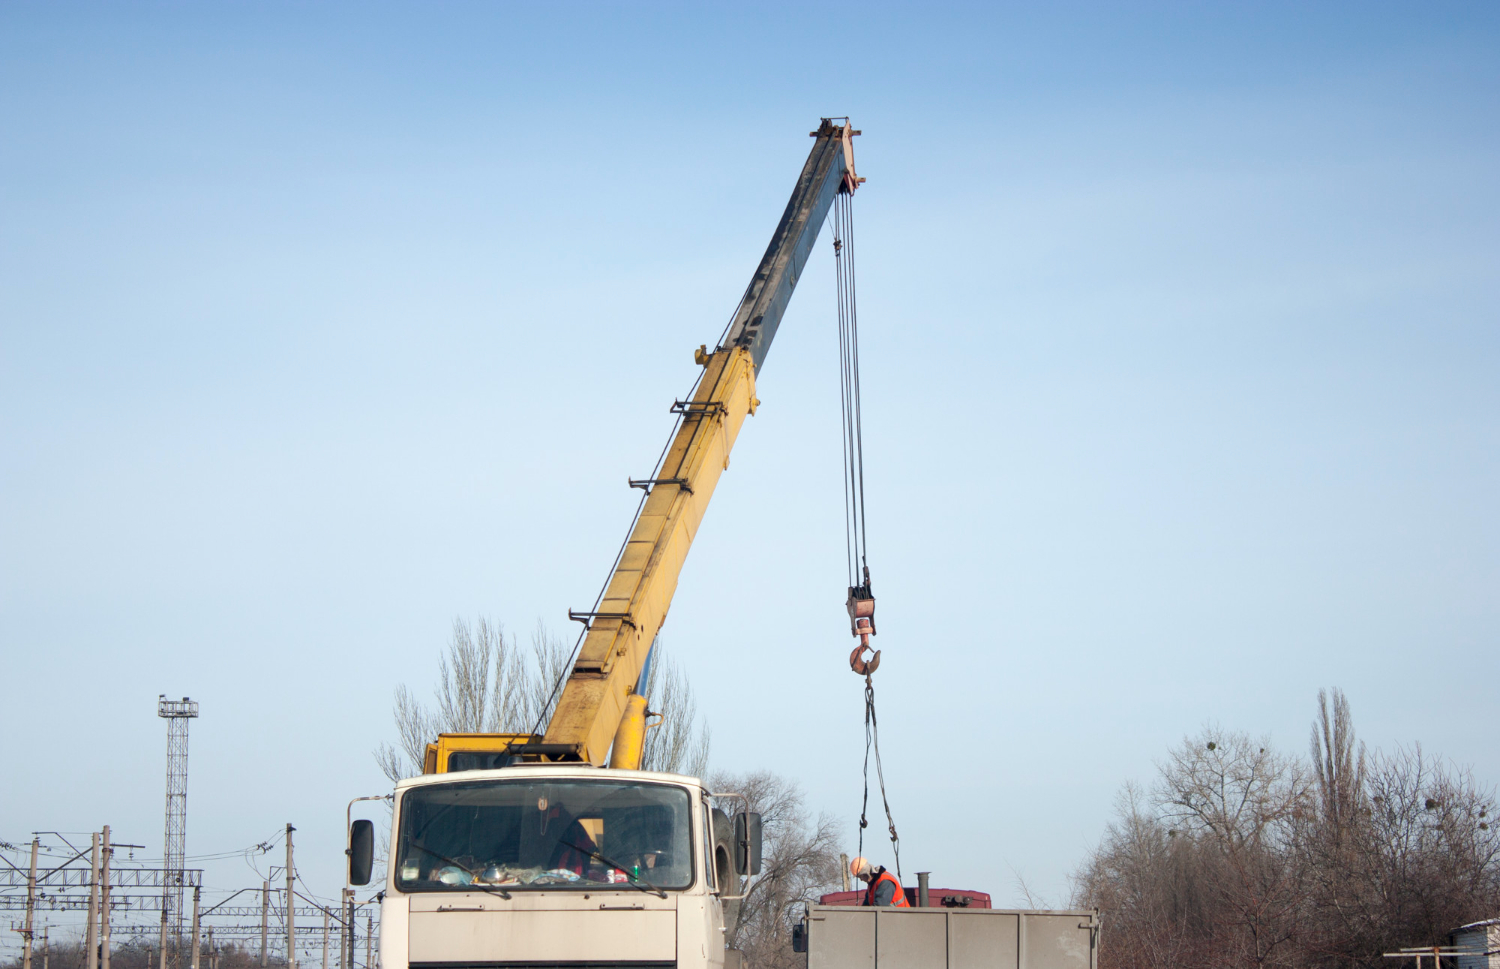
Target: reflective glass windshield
{"type": "Point", "coordinates": [535, 833]}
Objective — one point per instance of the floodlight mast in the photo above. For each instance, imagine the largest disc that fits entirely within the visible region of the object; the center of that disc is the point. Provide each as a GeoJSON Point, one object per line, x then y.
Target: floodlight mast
{"type": "Point", "coordinates": [177, 713]}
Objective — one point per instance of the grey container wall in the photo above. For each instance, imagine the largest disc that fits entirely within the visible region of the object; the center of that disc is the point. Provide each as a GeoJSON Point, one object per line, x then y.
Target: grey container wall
{"type": "Point", "coordinates": [845, 937]}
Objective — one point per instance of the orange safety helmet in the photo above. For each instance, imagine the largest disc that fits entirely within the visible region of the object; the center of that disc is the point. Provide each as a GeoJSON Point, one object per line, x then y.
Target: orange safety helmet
{"type": "Point", "coordinates": [860, 866]}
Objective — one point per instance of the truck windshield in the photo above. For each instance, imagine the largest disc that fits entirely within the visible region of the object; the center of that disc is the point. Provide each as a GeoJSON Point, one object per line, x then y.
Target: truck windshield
{"type": "Point", "coordinates": [534, 833]}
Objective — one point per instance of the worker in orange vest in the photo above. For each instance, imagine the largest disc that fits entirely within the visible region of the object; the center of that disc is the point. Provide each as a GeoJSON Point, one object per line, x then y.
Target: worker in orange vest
{"type": "Point", "coordinates": [885, 888]}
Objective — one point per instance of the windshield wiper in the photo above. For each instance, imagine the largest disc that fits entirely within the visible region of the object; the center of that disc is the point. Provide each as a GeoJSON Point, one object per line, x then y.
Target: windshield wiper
{"type": "Point", "coordinates": [645, 885]}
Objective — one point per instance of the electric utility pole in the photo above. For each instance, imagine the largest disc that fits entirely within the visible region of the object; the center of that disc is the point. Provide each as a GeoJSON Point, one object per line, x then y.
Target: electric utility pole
{"type": "Point", "coordinates": [196, 890]}
{"type": "Point", "coordinates": [349, 927]}
{"type": "Point", "coordinates": [109, 852]}
{"type": "Point", "coordinates": [291, 903]}
{"type": "Point", "coordinates": [91, 932]}
{"type": "Point", "coordinates": [30, 907]}
{"type": "Point", "coordinates": [265, 920]}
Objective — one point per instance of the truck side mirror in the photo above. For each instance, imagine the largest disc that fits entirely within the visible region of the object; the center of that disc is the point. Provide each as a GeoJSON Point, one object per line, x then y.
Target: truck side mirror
{"type": "Point", "coordinates": [747, 843]}
{"type": "Point", "coordinates": [361, 851]}
{"type": "Point", "coordinates": [799, 937]}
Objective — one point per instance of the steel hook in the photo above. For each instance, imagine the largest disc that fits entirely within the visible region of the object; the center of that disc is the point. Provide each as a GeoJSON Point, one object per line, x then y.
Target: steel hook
{"type": "Point", "coordinates": [862, 666]}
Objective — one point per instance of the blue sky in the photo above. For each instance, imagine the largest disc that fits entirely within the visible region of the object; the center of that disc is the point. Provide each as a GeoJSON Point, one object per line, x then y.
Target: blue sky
{"type": "Point", "coordinates": [320, 326]}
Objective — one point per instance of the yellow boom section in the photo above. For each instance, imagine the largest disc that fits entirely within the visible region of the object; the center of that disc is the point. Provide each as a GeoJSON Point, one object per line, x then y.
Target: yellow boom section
{"type": "Point", "coordinates": [640, 591]}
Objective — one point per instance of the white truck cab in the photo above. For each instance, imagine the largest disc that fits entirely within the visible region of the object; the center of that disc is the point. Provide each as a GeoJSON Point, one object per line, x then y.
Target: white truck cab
{"type": "Point", "coordinates": [532, 866]}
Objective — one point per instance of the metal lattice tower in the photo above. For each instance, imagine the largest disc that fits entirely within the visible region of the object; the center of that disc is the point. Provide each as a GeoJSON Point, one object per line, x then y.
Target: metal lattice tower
{"type": "Point", "coordinates": [177, 713]}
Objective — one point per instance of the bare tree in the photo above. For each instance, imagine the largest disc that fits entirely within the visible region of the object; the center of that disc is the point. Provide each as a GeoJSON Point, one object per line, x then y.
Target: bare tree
{"type": "Point", "coordinates": [799, 863]}
{"type": "Point", "coordinates": [481, 679]}
{"type": "Point", "coordinates": [1240, 800]}
{"type": "Point", "coordinates": [1338, 767]}
{"type": "Point", "coordinates": [1430, 859]}
{"type": "Point", "coordinates": [483, 687]}
{"type": "Point", "coordinates": [1243, 857]}
{"type": "Point", "coordinates": [1334, 834]}
{"type": "Point", "coordinates": [1199, 874]}
{"type": "Point", "coordinates": [1150, 879]}
{"type": "Point", "coordinates": [1400, 850]}
{"type": "Point", "coordinates": [488, 684]}
{"type": "Point", "coordinates": [679, 744]}
{"type": "Point", "coordinates": [1234, 788]}
{"type": "Point", "coordinates": [415, 728]}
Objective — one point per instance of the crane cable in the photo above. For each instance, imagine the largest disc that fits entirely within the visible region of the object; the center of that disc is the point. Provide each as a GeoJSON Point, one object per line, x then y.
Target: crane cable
{"type": "Point", "coordinates": [872, 739]}
{"type": "Point", "coordinates": [855, 536]}
{"type": "Point", "coordinates": [853, 431]}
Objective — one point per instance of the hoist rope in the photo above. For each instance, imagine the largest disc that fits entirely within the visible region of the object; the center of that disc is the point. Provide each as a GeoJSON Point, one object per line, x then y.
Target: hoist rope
{"type": "Point", "coordinates": [852, 434]}
{"type": "Point", "coordinates": [872, 740]}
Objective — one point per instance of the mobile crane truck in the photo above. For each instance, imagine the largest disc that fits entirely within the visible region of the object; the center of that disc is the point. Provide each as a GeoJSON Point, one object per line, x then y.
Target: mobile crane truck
{"type": "Point", "coordinates": [555, 849]}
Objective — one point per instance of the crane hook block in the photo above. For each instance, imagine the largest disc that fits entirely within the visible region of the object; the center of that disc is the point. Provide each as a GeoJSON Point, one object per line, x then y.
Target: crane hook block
{"type": "Point", "coordinates": [861, 606]}
{"type": "Point", "coordinates": [862, 666]}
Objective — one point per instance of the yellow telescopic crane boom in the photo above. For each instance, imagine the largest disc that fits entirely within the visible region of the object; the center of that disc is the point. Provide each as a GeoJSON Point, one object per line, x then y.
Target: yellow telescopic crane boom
{"type": "Point", "coordinates": [598, 702]}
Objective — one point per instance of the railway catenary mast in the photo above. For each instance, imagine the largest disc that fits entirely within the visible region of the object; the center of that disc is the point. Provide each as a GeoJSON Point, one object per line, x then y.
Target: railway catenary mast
{"type": "Point", "coordinates": [553, 848]}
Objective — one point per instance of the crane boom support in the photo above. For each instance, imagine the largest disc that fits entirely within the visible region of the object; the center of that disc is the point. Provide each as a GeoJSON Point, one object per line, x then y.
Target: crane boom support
{"type": "Point", "coordinates": [639, 592]}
